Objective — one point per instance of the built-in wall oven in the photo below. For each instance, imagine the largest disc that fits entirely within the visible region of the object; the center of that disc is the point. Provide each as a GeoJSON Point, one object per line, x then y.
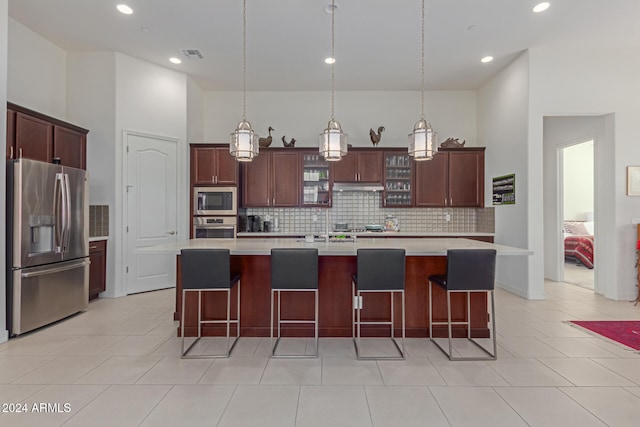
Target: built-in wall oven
{"type": "Point", "coordinates": [212, 227]}
{"type": "Point", "coordinates": [215, 201]}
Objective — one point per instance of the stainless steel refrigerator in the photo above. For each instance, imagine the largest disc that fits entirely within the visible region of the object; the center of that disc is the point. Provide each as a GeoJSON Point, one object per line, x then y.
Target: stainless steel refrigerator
{"type": "Point", "coordinates": [47, 243]}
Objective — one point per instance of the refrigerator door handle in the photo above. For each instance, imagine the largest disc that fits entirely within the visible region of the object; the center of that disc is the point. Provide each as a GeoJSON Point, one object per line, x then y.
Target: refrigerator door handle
{"type": "Point", "coordinates": [73, 266]}
{"type": "Point", "coordinates": [66, 200]}
{"type": "Point", "coordinates": [57, 202]}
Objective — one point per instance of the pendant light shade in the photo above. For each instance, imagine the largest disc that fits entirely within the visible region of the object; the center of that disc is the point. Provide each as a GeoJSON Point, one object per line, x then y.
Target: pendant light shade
{"type": "Point", "coordinates": [423, 142]}
{"type": "Point", "coordinates": [333, 141]}
{"type": "Point", "coordinates": [244, 141]}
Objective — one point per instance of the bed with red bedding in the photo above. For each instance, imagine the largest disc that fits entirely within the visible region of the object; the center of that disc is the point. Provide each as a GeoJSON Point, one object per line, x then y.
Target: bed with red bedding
{"type": "Point", "coordinates": [580, 248]}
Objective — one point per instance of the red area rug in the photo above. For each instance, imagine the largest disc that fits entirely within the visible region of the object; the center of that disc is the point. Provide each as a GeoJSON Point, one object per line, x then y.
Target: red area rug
{"type": "Point", "coordinates": [626, 332]}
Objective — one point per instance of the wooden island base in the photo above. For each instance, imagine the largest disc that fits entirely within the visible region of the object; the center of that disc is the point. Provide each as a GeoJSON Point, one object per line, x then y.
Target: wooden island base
{"type": "Point", "coordinates": [335, 296]}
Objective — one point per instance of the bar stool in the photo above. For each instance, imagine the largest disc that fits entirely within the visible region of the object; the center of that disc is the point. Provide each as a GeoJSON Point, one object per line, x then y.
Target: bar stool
{"type": "Point", "coordinates": [379, 270]}
{"type": "Point", "coordinates": [468, 270]}
{"type": "Point", "coordinates": [209, 270]}
{"type": "Point", "coordinates": [293, 270]}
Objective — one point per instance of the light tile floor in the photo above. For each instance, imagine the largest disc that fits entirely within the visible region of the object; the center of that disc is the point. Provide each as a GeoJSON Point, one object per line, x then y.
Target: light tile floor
{"type": "Point", "coordinates": [118, 365]}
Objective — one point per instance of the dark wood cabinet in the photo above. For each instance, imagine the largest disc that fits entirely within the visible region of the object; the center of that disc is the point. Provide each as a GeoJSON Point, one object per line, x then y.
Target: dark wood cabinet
{"type": "Point", "coordinates": [285, 179]}
{"type": "Point", "coordinates": [70, 147]}
{"type": "Point", "coordinates": [453, 178]}
{"type": "Point", "coordinates": [34, 138]}
{"type": "Point", "coordinates": [431, 181]}
{"type": "Point", "coordinates": [272, 179]}
{"type": "Point", "coordinates": [98, 268]}
{"type": "Point", "coordinates": [11, 133]}
{"type": "Point", "coordinates": [466, 178]}
{"type": "Point", "coordinates": [359, 166]}
{"type": "Point", "coordinates": [33, 135]}
{"type": "Point", "coordinates": [255, 182]}
{"type": "Point", "coordinates": [213, 166]}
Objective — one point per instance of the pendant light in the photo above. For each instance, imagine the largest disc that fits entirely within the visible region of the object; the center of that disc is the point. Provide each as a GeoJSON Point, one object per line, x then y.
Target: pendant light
{"type": "Point", "coordinates": [244, 141]}
{"type": "Point", "coordinates": [333, 141]}
{"type": "Point", "coordinates": [423, 142]}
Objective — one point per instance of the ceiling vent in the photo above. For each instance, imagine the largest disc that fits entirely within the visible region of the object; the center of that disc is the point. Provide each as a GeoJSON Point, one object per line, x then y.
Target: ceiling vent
{"type": "Point", "coordinates": [192, 53]}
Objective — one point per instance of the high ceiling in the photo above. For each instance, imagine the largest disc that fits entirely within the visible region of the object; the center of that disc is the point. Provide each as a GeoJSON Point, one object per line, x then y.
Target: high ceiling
{"type": "Point", "coordinates": [377, 42]}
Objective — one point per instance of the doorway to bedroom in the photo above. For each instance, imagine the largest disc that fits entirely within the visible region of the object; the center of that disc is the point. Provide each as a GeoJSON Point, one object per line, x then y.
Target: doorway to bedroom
{"type": "Point", "coordinates": [577, 213]}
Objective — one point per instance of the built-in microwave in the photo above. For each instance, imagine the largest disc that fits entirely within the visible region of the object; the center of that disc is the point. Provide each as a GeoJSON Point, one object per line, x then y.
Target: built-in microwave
{"type": "Point", "coordinates": [215, 200]}
{"type": "Point", "coordinates": [223, 227]}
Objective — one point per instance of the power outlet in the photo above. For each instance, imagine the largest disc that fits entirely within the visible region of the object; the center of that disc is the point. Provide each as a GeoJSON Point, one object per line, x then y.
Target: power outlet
{"type": "Point", "coordinates": [447, 217]}
{"type": "Point", "coordinates": [357, 303]}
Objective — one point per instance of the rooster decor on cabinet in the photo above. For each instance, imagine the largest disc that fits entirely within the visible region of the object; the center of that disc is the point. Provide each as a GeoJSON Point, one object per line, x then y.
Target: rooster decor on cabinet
{"type": "Point", "coordinates": [376, 137]}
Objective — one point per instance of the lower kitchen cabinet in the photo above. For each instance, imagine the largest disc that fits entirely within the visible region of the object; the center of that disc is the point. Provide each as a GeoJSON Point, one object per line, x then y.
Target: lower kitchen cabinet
{"type": "Point", "coordinates": [98, 268]}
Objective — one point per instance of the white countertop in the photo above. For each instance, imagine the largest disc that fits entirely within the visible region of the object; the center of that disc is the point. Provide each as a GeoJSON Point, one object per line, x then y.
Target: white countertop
{"type": "Point", "coordinates": [413, 247]}
{"type": "Point", "coordinates": [370, 234]}
{"type": "Point", "coordinates": [98, 238]}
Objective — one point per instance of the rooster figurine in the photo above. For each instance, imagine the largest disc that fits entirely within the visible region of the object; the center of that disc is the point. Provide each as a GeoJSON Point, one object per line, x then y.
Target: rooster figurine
{"type": "Point", "coordinates": [375, 137]}
{"type": "Point", "coordinates": [289, 144]}
{"type": "Point", "coordinates": [265, 142]}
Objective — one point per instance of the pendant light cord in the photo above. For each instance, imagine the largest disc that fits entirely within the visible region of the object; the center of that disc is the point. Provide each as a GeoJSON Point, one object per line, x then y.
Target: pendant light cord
{"type": "Point", "coordinates": [333, 74]}
{"type": "Point", "coordinates": [244, 60]}
{"type": "Point", "coordinates": [422, 81]}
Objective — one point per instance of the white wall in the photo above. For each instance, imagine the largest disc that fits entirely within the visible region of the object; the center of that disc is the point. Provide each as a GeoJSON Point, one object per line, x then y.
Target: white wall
{"type": "Point", "coordinates": [304, 115]}
{"type": "Point", "coordinates": [577, 170]}
{"type": "Point", "coordinates": [559, 132]}
{"type": "Point", "coordinates": [502, 128]}
{"type": "Point", "coordinates": [151, 100]}
{"type": "Point", "coordinates": [91, 104]}
{"type": "Point", "coordinates": [195, 112]}
{"type": "Point", "coordinates": [566, 82]}
{"type": "Point", "coordinates": [37, 72]}
{"type": "Point", "coordinates": [4, 17]}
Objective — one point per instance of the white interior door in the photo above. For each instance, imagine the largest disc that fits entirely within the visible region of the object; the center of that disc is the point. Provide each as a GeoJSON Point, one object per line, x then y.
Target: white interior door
{"type": "Point", "coordinates": [151, 211]}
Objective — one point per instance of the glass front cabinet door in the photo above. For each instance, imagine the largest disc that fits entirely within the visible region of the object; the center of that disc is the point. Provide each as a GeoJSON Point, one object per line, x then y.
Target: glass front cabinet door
{"type": "Point", "coordinates": [398, 189]}
{"type": "Point", "coordinates": [315, 178]}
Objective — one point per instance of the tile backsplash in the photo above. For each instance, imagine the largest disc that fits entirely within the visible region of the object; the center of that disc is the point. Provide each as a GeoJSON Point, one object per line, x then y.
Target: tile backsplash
{"type": "Point", "coordinates": [98, 220]}
{"type": "Point", "coordinates": [361, 208]}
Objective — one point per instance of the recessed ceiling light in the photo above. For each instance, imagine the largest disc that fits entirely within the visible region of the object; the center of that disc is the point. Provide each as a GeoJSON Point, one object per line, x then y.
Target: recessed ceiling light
{"type": "Point", "coordinates": [486, 59]}
{"type": "Point", "coordinates": [330, 60]}
{"type": "Point", "coordinates": [175, 60]}
{"type": "Point", "coordinates": [123, 8]}
{"type": "Point", "coordinates": [541, 7]}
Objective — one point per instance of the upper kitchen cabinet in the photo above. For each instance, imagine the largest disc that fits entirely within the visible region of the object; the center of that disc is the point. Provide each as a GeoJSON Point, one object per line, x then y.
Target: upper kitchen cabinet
{"type": "Point", "coordinates": [398, 179]}
{"type": "Point", "coordinates": [316, 184]}
{"type": "Point", "coordinates": [70, 147]}
{"type": "Point", "coordinates": [272, 179]}
{"type": "Point", "coordinates": [466, 178]}
{"type": "Point", "coordinates": [211, 165]}
{"type": "Point", "coordinates": [34, 138]}
{"type": "Point", "coordinates": [359, 166]}
{"type": "Point", "coordinates": [33, 135]}
{"type": "Point", "coordinates": [11, 132]}
{"type": "Point", "coordinates": [453, 178]}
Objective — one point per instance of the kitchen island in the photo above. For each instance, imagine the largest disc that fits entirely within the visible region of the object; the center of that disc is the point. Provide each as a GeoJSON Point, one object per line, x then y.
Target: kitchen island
{"type": "Point", "coordinates": [337, 264]}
